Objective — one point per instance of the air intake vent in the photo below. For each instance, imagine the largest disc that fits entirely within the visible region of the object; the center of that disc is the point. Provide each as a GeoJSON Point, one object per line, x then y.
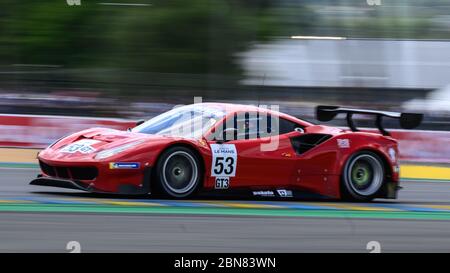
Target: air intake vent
{"type": "Point", "coordinates": [47, 169]}
{"type": "Point", "coordinates": [75, 173]}
{"type": "Point", "coordinates": [304, 143]}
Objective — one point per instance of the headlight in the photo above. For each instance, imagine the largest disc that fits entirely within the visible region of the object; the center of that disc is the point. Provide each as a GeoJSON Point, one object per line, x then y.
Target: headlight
{"type": "Point", "coordinates": [113, 151]}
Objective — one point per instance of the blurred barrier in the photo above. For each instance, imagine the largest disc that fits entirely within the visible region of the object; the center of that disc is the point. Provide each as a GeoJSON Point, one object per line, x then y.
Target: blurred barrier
{"type": "Point", "coordinates": [432, 173]}
{"type": "Point", "coordinates": [423, 146]}
{"type": "Point", "coordinates": [32, 131]}
{"type": "Point", "coordinates": [420, 145]}
{"type": "Point", "coordinates": [39, 131]}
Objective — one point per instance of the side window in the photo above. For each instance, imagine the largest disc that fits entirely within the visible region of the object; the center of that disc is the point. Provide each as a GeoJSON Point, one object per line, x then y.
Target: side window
{"type": "Point", "coordinates": [281, 126]}
{"type": "Point", "coordinates": [243, 125]}
{"type": "Point", "coordinates": [286, 126]}
{"type": "Point", "coordinates": [226, 130]}
{"type": "Point", "coordinates": [252, 125]}
{"type": "Point", "coordinates": [248, 125]}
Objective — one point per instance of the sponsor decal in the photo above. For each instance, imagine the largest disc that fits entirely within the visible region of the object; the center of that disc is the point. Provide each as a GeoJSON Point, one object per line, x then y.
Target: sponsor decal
{"type": "Point", "coordinates": [263, 193]}
{"type": "Point", "coordinates": [124, 165]}
{"type": "Point", "coordinates": [343, 143]}
{"type": "Point", "coordinates": [284, 193]}
{"type": "Point", "coordinates": [222, 183]}
{"type": "Point", "coordinates": [396, 169]}
{"type": "Point", "coordinates": [83, 146]}
{"type": "Point", "coordinates": [224, 160]}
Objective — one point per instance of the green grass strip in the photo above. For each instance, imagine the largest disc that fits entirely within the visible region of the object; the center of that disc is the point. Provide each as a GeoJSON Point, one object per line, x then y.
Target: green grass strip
{"type": "Point", "coordinates": [52, 208]}
{"type": "Point", "coordinates": [18, 165]}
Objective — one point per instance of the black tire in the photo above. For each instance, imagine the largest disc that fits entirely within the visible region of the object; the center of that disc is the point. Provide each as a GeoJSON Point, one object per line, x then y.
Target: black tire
{"type": "Point", "coordinates": [363, 177]}
{"type": "Point", "coordinates": [178, 173]}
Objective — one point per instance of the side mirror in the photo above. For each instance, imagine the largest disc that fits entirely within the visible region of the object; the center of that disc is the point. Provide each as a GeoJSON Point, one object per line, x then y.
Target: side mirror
{"type": "Point", "coordinates": [299, 130]}
{"type": "Point", "coordinates": [139, 122]}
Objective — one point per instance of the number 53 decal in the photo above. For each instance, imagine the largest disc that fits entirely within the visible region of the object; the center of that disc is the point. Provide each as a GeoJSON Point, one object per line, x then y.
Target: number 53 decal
{"type": "Point", "coordinates": [224, 160]}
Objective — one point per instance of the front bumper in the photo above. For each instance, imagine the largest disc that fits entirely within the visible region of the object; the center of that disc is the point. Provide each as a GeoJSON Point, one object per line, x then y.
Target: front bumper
{"type": "Point", "coordinates": [124, 188]}
{"type": "Point", "coordinates": [60, 183]}
{"type": "Point", "coordinates": [42, 180]}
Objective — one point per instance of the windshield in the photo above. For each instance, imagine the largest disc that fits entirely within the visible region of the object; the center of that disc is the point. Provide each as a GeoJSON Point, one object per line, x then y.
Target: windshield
{"type": "Point", "coordinates": [190, 121]}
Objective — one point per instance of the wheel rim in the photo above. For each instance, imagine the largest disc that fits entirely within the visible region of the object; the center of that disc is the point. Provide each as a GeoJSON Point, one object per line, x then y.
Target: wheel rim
{"type": "Point", "coordinates": [180, 172]}
{"type": "Point", "coordinates": [365, 175]}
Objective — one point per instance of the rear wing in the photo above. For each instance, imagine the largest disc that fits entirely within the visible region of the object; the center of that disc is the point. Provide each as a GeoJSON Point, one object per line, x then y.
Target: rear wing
{"type": "Point", "coordinates": [407, 120]}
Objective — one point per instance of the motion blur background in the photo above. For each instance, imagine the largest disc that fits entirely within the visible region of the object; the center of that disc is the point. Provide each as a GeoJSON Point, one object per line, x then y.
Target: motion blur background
{"type": "Point", "coordinates": [136, 58]}
{"type": "Point", "coordinates": [68, 65]}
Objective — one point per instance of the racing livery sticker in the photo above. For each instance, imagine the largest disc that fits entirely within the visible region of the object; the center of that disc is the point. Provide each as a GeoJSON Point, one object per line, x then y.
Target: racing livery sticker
{"type": "Point", "coordinates": [343, 143]}
{"type": "Point", "coordinates": [264, 193]}
{"type": "Point", "coordinates": [224, 160]}
{"type": "Point", "coordinates": [124, 165]}
{"type": "Point", "coordinates": [284, 193]}
{"type": "Point", "coordinates": [83, 146]}
{"type": "Point", "coordinates": [222, 183]}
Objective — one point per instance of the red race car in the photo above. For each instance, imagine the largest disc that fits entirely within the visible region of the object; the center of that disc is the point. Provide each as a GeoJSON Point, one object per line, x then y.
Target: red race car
{"type": "Point", "coordinates": [226, 147]}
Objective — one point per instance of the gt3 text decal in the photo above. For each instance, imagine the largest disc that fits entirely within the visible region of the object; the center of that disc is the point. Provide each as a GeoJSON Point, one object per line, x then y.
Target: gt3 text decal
{"type": "Point", "coordinates": [224, 160]}
{"type": "Point", "coordinates": [83, 146]}
{"type": "Point", "coordinates": [222, 183]}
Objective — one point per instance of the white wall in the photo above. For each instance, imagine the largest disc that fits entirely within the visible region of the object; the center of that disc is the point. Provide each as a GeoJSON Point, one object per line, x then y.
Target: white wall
{"type": "Point", "coordinates": [345, 63]}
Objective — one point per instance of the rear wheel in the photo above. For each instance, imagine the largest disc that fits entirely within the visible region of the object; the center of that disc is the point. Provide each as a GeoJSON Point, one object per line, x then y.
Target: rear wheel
{"type": "Point", "coordinates": [363, 176]}
{"type": "Point", "coordinates": [178, 172]}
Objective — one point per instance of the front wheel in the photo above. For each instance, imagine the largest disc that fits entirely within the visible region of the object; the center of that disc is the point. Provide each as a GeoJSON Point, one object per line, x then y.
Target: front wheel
{"type": "Point", "coordinates": [363, 176]}
{"type": "Point", "coordinates": [178, 172]}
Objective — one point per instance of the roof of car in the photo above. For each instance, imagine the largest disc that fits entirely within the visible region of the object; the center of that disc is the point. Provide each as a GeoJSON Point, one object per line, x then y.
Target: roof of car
{"type": "Point", "coordinates": [232, 107]}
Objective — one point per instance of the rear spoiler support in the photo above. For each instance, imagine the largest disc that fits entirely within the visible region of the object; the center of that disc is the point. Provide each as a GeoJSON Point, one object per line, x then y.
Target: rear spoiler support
{"type": "Point", "coordinates": [407, 120]}
{"type": "Point", "coordinates": [351, 123]}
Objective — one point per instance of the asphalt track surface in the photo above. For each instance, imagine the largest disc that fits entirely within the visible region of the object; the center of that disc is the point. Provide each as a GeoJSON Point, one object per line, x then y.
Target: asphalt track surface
{"type": "Point", "coordinates": [41, 219]}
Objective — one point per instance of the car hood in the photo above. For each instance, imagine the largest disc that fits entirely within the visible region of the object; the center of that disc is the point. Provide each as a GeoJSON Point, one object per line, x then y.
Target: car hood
{"type": "Point", "coordinates": [87, 144]}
